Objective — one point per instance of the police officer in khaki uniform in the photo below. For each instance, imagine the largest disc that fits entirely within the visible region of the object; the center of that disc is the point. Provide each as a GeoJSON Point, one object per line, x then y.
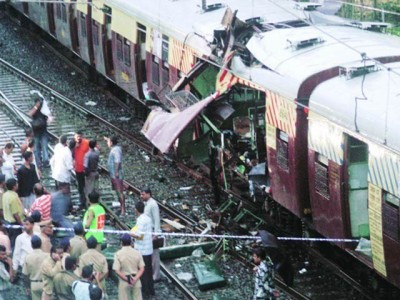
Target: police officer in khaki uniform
{"type": "Point", "coordinates": [50, 268]}
{"type": "Point", "coordinates": [78, 242]}
{"type": "Point", "coordinates": [99, 261]}
{"type": "Point", "coordinates": [63, 280]}
{"type": "Point", "coordinates": [129, 266]}
{"type": "Point", "coordinates": [32, 270]}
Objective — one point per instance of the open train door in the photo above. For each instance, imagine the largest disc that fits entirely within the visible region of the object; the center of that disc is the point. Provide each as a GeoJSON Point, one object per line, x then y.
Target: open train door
{"type": "Point", "coordinates": [357, 184]}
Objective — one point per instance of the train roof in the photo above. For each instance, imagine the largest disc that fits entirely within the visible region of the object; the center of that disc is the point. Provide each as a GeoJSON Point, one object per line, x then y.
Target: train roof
{"type": "Point", "coordinates": [377, 117]}
{"type": "Point", "coordinates": [301, 52]}
{"type": "Point", "coordinates": [181, 18]}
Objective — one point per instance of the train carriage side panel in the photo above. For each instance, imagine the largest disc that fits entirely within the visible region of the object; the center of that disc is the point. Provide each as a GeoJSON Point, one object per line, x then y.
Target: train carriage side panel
{"type": "Point", "coordinates": [125, 51]}
{"type": "Point", "coordinates": [101, 39]}
{"type": "Point", "coordinates": [383, 197]}
{"type": "Point", "coordinates": [286, 153]}
{"type": "Point", "coordinates": [325, 169]}
{"type": "Point", "coordinates": [84, 32]}
{"type": "Point", "coordinates": [62, 23]}
{"type": "Point", "coordinates": [38, 14]}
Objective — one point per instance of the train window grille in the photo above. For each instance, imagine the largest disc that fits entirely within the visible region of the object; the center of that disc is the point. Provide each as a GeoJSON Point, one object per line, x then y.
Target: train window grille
{"type": "Point", "coordinates": [64, 12]}
{"type": "Point", "coordinates": [83, 25]}
{"type": "Point", "coordinates": [127, 53]}
{"type": "Point", "coordinates": [95, 33]}
{"type": "Point", "coordinates": [282, 155]}
{"type": "Point", "coordinates": [58, 11]}
{"type": "Point", "coordinates": [155, 71]}
{"type": "Point", "coordinates": [120, 56]}
{"type": "Point", "coordinates": [322, 176]}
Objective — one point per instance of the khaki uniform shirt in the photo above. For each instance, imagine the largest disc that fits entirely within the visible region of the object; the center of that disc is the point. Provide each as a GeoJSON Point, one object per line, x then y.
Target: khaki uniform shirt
{"type": "Point", "coordinates": [12, 205]}
{"type": "Point", "coordinates": [99, 261]}
{"type": "Point", "coordinates": [49, 268]}
{"type": "Point", "coordinates": [63, 285]}
{"type": "Point", "coordinates": [78, 246]}
{"type": "Point", "coordinates": [32, 265]}
{"type": "Point", "coordinates": [46, 243]}
{"type": "Point", "coordinates": [128, 260]}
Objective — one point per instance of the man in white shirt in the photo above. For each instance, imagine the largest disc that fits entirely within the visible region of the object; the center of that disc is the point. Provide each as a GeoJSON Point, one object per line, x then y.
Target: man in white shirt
{"type": "Point", "coordinates": [8, 163]}
{"type": "Point", "coordinates": [61, 163]}
{"type": "Point", "coordinates": [23, 245]}
{"type": "Point", "coordinates": [144, 244]}
{"type": "Point", "coordinates": [151, 209]}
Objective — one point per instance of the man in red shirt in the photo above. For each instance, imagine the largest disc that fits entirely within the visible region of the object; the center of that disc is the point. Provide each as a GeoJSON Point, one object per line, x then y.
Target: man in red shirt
{"type": "Point", "coordinates": [81, 147]}
{"type": "Point", "coordinates": [42, 202]}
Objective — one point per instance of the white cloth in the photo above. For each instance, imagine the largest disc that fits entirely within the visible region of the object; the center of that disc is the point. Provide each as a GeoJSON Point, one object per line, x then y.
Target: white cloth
{"type": "Point", "coordinates": [61, 163]}
{"type": "Point", "coordinates": [80, 289]}
{"type": "Point", "coordinates": [8, 165]}
{"type": "Point", "coordinates": [151, 209]}
{"type": "Point", "coordinates": [144, 226]}
{"type": "Point", "coordinates": [22, 248]}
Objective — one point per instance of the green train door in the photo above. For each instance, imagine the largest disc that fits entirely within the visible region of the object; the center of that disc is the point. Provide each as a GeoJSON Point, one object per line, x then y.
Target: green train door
{"type": "Point", "coordinates": [357, 170]}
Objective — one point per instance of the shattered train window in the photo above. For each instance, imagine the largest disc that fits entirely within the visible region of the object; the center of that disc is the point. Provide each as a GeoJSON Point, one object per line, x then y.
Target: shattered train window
{"type": "Point", "coordinates": [282, 151]}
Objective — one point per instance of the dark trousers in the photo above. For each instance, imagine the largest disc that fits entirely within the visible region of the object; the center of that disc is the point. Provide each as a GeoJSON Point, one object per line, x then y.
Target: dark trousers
{"type": "Point", "coordinates": [80, 178]}
{"type": "Point", "coordinates": [13, 233]}
{"type": "Point", "coordinates": [147, 278]}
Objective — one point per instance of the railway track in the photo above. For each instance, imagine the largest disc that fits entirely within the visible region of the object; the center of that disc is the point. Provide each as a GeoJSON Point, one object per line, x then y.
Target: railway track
{"type": "Point", "coordinates": [190, 197]}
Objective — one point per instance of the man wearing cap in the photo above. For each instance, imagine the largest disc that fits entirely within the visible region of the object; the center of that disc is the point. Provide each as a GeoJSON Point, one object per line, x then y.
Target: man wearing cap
{"type": "Point", "coordinates": [13, 209]}
{"type": "Point", "coordinates": [129, 266]}
{"type": "Point", "coordinates": [63, 281]}
{"type": "Point", "coordinates": [50, 268]}
{"type": "Point", "coordinates": [151, 209]}
{"type": "Point", "coordinates": [99, 261]}
{"type": "Point", "coordinates": [31, 270]}
{"type": "Point", "coordinates": [78, 242]}
{"type": "Point", "coordinates": [81, 288]}
{"type": "Point", "coordinates": [2, 182]}
{"type": "Point", "coordinates": [94, 218]}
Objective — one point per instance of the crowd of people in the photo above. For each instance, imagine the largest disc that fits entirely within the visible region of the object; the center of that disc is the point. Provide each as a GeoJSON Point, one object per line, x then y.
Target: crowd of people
{"type": "Point", "coordinates": [35, 245]}
{"type": "Point", "coordinates": [68, 264]}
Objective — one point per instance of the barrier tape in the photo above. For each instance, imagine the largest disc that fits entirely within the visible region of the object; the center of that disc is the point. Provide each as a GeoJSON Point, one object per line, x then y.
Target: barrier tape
{"type": "Point", "coordinates": [196, 235]}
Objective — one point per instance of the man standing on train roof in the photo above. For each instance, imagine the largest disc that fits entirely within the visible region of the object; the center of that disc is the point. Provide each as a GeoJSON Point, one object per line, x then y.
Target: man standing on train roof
{"type": "Point", "coordinates": [61, 163]}
{"type": "Point", "coordinates": [81, 147]}
{"type": "Point", "coordinates": [39, 127]}
{"type": "Point", "coordinates": [94, 218]}
{"type": "Point", "coordinates": [129, 266]}
{"type": "Point", "coordinates": [31, 270]}
{"type": "Point", "coordinates": [27, 178]}
{"type": "Point", "coordinates": [151, 209]}
{"type": "Point", "coordinates": [114, 164]}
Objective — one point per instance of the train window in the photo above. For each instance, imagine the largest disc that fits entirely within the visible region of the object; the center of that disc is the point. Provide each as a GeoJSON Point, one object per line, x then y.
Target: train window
{"type": "Point", "coordinates": [282, 155]}
{"type": "Point", "coordinates": [127, 52]}
{"type": "Point", "coordinates": [155, 71]}
{"type": "Point", "coordinates": [164, 51]}
{"type": "Point", "coordinates": [358, 151]}
{"type": "Point", "coordinates": [64, 12]}
{"type": "Point", "coordinates": [83, 25]}
{"type": "Point", "coordinates": [322, 176]}
{"type": "Point", "coordinates": [58, 11]}
{"type": "Point", "coordinates": [391, 199]}
{"type": "Point", "coordinates": [119, 48]}
{"type": "Point", "coordinates": [95, 32]}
